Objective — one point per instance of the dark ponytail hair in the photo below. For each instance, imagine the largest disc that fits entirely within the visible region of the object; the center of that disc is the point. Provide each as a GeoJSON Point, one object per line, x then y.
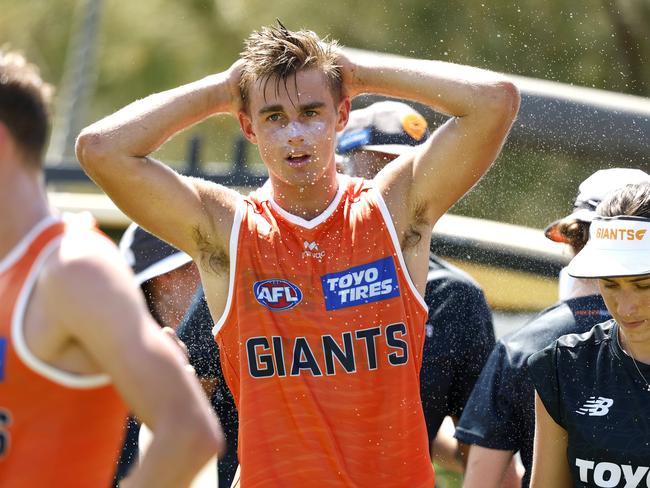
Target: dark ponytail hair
{"type": "Point", "coordinates": [575, 233]}
{"type": "Point", "coordinates": [632, 200]}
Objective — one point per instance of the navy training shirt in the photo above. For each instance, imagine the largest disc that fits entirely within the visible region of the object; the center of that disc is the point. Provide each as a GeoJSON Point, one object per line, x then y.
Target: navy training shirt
{"type": "Point", "coordinates": [196, 333]}
{"type": "Point", "coordinates": [459, 338]}
{"type": "Point", "coordinates": [592, 389]}
{"type": "Point", "coordinates": [500, 413]}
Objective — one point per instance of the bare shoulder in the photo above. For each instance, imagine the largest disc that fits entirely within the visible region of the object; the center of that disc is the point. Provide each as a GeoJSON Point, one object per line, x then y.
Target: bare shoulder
{"type": "Point", "coordinates": [395, 178]}
{"type": "Point", "coordinates": [82, 275]}
{"type": "Point", "coordinates": [83, 249]}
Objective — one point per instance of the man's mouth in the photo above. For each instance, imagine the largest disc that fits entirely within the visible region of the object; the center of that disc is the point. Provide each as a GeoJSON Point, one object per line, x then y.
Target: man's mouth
{"type": "Point", "coordinates": [298, 159]}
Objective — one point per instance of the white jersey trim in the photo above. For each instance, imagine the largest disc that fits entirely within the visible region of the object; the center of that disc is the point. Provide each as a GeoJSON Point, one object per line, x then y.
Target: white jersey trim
{"type": "Point", "coordinates": [398, 249]}
{"type": "Point", "coordinates": [40, 367]}
{"type": "Point", "coordinates": [21, 248]}
{"type": "Point", "coordinates": [316, 221]}
{"type": "Point", "coordinates": [234, 242]}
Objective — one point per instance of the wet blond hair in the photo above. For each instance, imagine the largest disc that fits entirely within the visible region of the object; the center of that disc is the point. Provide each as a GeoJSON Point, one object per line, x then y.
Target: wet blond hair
{"type": "Point", "coordinates": [274, 53]}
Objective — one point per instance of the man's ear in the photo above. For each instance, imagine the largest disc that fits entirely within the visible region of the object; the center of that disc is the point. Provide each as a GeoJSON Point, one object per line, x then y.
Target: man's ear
{"type": "Point", "coordinates": [343, 113]}
{"type": "Point", "coordinates": [246, 126]}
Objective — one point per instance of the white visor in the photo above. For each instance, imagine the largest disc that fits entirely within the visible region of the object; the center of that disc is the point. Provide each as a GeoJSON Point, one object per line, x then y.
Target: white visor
{"type": "Point", "coordinates": [617, 246]}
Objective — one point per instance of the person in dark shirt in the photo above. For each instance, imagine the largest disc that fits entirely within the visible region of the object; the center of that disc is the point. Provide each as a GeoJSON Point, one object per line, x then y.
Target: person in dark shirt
{"type": "Point", "coordinates": [592, 399]}
{"type": "Point", "coordinates": [459, 338]}
{"type": "Point", "coordinates": [499, 419]}
{"type": "Point", "coordinates": [459, 330]}
{"type": "Point", "coordinates": [203, 354]}
{"type": "Point", "coordinates": [168, 279]}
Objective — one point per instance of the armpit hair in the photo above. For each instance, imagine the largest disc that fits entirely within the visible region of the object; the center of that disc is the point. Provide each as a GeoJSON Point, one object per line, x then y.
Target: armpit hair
{"type": "Point", "coordinates": [413, 234]}
{"type": "Point", "coordinates": [213, 258]}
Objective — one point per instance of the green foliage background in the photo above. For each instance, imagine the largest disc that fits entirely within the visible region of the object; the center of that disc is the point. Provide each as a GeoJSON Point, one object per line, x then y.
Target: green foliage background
{"type": "Point", "coordinates": [151, 45]}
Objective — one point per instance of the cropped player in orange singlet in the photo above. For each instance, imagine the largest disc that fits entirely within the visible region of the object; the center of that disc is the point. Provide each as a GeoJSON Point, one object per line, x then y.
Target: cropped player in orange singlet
{"type": "Point", "coordinates": [309, 281]}
{"type": "Point", "coordinates": [75, 338]}
{"type": "Point", "coordinates": [40, 404]}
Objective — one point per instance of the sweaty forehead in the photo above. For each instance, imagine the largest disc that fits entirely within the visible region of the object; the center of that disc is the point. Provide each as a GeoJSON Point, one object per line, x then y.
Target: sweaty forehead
{"type": "Point", "coordinates": [305, 87]}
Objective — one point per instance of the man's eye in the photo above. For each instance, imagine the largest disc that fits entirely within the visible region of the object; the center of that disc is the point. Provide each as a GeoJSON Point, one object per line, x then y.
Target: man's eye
{"type": "Point", "coordinates": [273, 117]}
{"type": "Point", "coordinates": [311, 113]}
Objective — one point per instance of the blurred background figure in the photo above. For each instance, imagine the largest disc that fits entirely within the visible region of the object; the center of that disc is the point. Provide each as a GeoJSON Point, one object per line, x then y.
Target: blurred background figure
{"type": "Point", "coordinates": [168, 279]}
{"type": "Point", "coordinates": [196, 333]}
{"type": "Point", "coordinates": [499, 418]}
{"type": "Point", "coordinates": [593, 390]}
{"type": "Point", "coordinates": [77, 346]}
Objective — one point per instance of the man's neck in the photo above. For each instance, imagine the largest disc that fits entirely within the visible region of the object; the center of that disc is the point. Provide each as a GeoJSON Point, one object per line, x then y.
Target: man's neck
{"type": "Point", "coordinates": [23, 203]}
{"type": "Point", "coordinates": [307, 201]}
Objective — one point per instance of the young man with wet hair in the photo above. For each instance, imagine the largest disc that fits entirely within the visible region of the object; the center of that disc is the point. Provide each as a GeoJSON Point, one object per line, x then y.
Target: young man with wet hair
{"type": "Point", "coordinates": [316, 280]}
{"type": "Point", "coordinates": [76, 342]}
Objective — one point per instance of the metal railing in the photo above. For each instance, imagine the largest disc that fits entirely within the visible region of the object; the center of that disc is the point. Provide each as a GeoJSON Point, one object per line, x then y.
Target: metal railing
{"type": "Point", "coordinates": [240, 175]}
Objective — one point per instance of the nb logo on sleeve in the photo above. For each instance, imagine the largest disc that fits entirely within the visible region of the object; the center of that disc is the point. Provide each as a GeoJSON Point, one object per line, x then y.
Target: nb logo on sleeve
{"type": "Point", "coordinates": [596, 407]}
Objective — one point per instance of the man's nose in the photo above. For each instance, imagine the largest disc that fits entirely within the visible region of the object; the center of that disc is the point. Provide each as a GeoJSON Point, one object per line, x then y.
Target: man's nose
{"type": "Point", "coordinates": [295, 134]}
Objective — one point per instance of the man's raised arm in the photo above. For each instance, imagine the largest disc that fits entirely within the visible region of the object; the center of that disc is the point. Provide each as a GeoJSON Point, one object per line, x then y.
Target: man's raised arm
{"type": "Point", "coordinates": [482, 106]}
{"type": "Point", "coordinates": [115, 153]}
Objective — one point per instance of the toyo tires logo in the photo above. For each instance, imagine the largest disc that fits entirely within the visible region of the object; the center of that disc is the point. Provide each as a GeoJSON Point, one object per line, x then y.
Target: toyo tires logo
{"type": "Point", "coordinates": [277, 294]}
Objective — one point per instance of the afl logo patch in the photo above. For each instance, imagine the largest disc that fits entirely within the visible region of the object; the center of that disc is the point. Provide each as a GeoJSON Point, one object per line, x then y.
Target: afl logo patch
{"type": "Point", "coordinates": [277, 294]}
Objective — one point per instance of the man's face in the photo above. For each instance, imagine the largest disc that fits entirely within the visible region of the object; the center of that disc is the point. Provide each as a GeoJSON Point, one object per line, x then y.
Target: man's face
{"type": "Point", "coordinates": [294, 125]}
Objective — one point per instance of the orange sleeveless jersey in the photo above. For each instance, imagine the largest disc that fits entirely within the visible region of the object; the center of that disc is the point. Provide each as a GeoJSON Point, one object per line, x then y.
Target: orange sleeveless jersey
{"type": "Point", "coordinates": [321, 345]}
{"type": "Point", "coordinates": [56, 428]}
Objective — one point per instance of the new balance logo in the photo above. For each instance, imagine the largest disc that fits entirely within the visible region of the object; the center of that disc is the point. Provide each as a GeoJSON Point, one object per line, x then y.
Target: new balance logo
{"type": "Point", "coordinates": [311, 250]}
{"type": "Point", "coordinates": [596, 407]}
